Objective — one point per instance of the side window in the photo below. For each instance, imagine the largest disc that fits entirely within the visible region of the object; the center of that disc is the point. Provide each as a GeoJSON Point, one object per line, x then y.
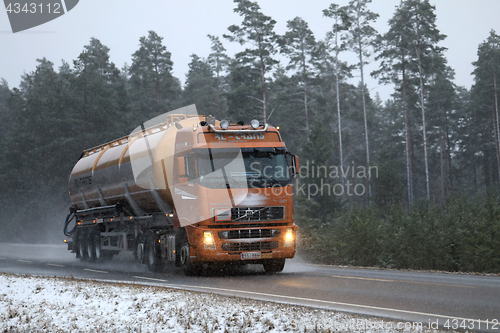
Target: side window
{"type": "Point", "coordinates": [190, 167]}
{"type": "Point", "coordinates": [290, 161]}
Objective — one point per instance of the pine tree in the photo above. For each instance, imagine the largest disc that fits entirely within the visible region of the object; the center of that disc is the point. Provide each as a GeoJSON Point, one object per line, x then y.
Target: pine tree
{"type": "Point", "coordinates": [486, 89]}
{"type": "Point", "coordinates": [340, 17]}
{"type": "Point", "coordinates": [257, 30]}
{"type": "Point", "coordinates": [441, 104]}
{"type": "Point", "coordinates": [394, 68]}
{"type": "Point", "coordinates": [425, 40]}
{"type": "Point", "coordinates": [360, 38]}
{"type": "Point", "coordinates": [6, 124]}
{"type": "Point", "coordinates": [407, 52]}
{"type": "Point", "coordinates": [4, 108]}
{"type": "Point", "coordinates": [299, 45]}
{"type": "Point", "coordinates": [219, 61]}
{"type": "Point", "coordinates": [243, 84]}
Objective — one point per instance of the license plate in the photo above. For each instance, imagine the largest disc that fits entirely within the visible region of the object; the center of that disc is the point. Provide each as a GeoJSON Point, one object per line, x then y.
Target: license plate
{"type": "Point", "coordinates": [250, 255]}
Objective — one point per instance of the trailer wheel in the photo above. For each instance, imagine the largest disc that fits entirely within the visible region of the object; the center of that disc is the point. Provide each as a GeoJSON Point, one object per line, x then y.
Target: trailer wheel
{"type": "Point", "coordinates": [82, 248]}
{"type": "Point", "coordinates": [189, 268]}
{"type": "Point", "coordinates": [94, 250]}
{"type": "Point", "coordinates": [153, 258]}
{"type": "Point", "coordinates": [139, 253]}
{"type": "Point", "coordinates": [274, 265]}
{"type": "Point", "coordinates": [140, 249]}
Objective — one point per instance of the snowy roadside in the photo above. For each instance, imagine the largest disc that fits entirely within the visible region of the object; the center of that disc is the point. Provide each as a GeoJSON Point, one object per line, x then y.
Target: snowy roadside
{"type": "Point", "coordinates": [49, 304]}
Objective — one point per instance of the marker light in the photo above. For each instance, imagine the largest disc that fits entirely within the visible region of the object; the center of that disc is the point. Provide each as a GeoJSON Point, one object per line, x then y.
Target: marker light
{"type": "Point", "coordinates": [208, 240]}
{"type": "Point", "coordinates": [224, 124]}
{"type": "Point", "coordinates": [255, 124]}
{"type": "Point", "coordinates": [289, 237]}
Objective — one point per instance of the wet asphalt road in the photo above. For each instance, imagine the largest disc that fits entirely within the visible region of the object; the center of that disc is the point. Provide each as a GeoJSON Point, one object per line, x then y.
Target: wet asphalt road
{"type": "Point", "coordinates": [460, 301]}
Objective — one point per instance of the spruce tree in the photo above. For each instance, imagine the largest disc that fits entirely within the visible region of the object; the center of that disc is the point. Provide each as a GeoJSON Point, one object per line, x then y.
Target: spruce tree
{"type": "Point", "coordinates": [201, 87]}
{"type": "Point", "coordinates": [154, 89]}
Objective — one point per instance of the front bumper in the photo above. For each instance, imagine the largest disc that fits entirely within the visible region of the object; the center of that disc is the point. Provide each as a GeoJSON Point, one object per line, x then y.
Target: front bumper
{"type": "Point", "coordinates": [256, 249]}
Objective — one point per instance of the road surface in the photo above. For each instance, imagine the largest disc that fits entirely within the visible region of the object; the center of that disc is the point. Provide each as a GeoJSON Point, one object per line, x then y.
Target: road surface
{"type": "Point", "coordinates": [459, 301]}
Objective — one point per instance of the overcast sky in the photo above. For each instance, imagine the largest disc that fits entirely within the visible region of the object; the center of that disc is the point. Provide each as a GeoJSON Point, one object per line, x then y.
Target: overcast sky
{"type": "Point", "coordinates": [185, 24]}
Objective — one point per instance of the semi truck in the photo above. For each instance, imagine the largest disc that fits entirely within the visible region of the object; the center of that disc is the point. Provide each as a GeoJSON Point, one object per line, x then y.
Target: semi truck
{"type": "Point", "coordinates": [190, 190]}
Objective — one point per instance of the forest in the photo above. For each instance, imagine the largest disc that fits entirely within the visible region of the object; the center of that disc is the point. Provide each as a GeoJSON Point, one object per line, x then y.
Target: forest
{"type": "Point", "coordinates": [411, 182]}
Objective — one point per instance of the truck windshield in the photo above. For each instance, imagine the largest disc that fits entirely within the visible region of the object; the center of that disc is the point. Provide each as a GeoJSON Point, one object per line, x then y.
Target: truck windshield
{"type": "Point", "coordinates": [252, 167]}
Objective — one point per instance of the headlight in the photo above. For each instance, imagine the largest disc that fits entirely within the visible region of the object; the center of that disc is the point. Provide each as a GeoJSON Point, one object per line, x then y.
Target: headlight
{"type": "Point", "coordinates": [289, 237]}
{"type": "Point", "coordinates": [208, 240]}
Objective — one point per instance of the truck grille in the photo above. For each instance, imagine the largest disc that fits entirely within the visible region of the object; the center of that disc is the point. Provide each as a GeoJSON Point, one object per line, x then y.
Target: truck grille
{"type": "Point", "coordinates": [257, 246]}
{"type": "Point", "coordinates": [249, 233]}
{"type": "Point", "coordinates": [257, 213]}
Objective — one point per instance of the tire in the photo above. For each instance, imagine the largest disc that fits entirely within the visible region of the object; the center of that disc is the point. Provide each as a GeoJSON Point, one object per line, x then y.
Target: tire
{"type": "Point", "coordinates": [139, 254]}
{"type": "Point", "coordinates": [274, 265]}
{"type": "Point", "coordinates": [189, 268]}
{"type": "Point", "coordinates": [140, 249]}
{"type": "Point", "coordinates": [82, 253]}
{"type": "Point", "coordinates": [94, 250]}
{"type": "Point", "coordinates": [153, 259]}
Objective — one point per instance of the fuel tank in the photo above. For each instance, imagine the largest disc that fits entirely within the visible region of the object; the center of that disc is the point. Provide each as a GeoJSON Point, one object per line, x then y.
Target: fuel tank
{"type": "Point", "coordinates": [135, 167]}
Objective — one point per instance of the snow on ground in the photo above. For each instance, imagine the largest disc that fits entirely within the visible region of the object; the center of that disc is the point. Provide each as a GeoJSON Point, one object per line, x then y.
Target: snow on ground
{"type": "Point", "coordinates": [49, 304]}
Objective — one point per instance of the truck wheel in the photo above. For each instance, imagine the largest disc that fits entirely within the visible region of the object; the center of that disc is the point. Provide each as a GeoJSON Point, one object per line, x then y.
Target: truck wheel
{"type": "Point", "coordinates": [153, 258]}
{"type": "Point", "coordinates": [189, 268]}
{"type": "Point", "coordinates": [82, 248]}
{"type": "Point", "coordinates": [139, 253]}
{"type": "Point", "coordinates": [140, 249]}
{"type": "Point", "coordinates": [94, 251]}
{"type": "Point", "coordinates": [274, 265]}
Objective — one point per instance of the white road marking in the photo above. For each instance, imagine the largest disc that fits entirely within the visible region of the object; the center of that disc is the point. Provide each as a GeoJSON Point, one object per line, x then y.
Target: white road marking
{"type": "Point", "coordinates": [56, 265]}
{"type": "Point", "coordinates": [146, 278]}
{"type": "Point", "coordinates": [357, 278]}
{"type": "Point", "coordinates": [3, 259]}
{"type": "Point", "coordinates": [398, 281]}
{"type": "Point", "coordinates": [489, 322]}
{"type": "Point", "coordinates": [24, 260]}
{"type": "Point", "coordinates": [436, 284]}
{"type": "Point", "coordinates": [93, 270]}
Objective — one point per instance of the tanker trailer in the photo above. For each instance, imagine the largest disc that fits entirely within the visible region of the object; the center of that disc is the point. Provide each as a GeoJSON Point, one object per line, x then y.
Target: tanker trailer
{"type": "Point", "coordinates": [191, 190]}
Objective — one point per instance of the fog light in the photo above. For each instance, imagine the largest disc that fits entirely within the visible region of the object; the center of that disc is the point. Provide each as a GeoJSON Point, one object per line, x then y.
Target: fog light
{"type": "Point", "coordinates": [224, 124]}
{"type": "Point", "coordinates": [289, 237]}
{"type": "Point", "coordinates": [255, 124]}
{"type": "Point", "coordinates": [208, 240]}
